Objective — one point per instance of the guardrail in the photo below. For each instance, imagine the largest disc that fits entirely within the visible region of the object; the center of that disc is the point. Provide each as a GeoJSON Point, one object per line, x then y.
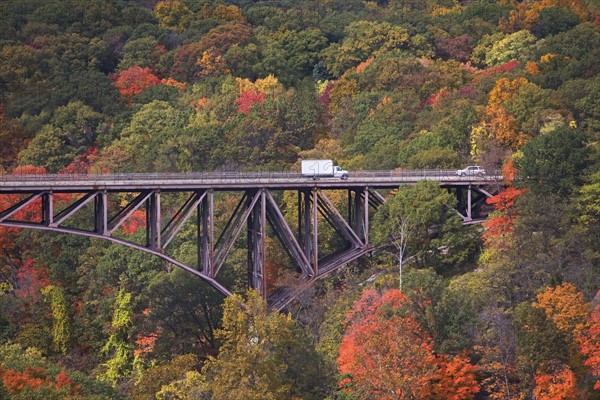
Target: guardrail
{"type": "Point", "coordinates": [221, 176]}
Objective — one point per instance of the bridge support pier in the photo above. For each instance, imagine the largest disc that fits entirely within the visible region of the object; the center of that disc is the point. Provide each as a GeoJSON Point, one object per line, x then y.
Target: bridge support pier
{"type": "Point", "coordinates": [470, 199]}
{"type": "Point", "coordinates": [257, 250]}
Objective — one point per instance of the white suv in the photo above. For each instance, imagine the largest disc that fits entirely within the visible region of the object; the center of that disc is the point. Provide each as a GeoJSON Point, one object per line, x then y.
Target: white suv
{"type": "Point", "coordinates": [471, 171]}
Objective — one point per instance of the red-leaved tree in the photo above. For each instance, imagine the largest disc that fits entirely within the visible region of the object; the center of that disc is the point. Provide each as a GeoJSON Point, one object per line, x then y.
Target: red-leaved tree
{"type": "Point", "coordinates": [134, 80]}
{"type": "Point", "coordinates": [35, 378]}
{"type": "Point", "coordinates": [589, 344]}
{"type": "Point", "coordinates": [248, 99]}
{"type": "Point", "coordinates": [501, 221]}
{"type": "Point", "coordinates": [385, 354]}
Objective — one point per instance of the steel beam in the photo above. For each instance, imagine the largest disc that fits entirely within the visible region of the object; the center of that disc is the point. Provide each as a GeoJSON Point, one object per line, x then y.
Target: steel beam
{"type": "Point", "coordinates": [20, 205]}
{"type": "Point", "coordinates": [117, 220]}
{"type": "Point", "coordinates": [47, 208]}
{"type": "Point", "coordinates": [366, 217]}
{"type": "Point", "coordinates": [306, 238]}
{"type": "Point", "coordinates": [379, 199]}
{"type": "Point", "coordinates": [257, 226]}
{"type": "Point", "coordinates": [213, 282]}
{"type": "Point", "coordinates": [469, 204]}
{"type": "Point", "coordinates": [338, 222]}
{"type": "Point", "coordinates": [205, 226]}
{"type": "Point", "coordinates": [287, 238]}
{"type": "Point", "coordinates": [235, 230]}
{"type": "Point", "coordinates": [72, 209]}
{"type": "Point", "coordinates": [101, 213]}
{"type": "Point", "coordinates": [315, 231]}
{"type": "Point", "coordinates": [153, 221]}
{"type": "Point", "coordinates": [181, 216]}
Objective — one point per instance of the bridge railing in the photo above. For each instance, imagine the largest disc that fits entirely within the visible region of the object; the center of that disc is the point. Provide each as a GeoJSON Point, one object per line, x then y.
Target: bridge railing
{"type": "Point", "coordinates": [433, 174]}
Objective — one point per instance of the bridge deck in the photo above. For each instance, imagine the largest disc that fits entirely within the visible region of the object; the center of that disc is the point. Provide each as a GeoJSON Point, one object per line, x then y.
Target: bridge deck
{"type": "Point", "coordinates": [233, 181]}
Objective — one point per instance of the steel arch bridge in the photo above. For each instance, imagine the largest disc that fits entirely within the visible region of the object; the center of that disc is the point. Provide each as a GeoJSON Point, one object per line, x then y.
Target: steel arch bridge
{"type": "Point", "coordinates": [108, 202]}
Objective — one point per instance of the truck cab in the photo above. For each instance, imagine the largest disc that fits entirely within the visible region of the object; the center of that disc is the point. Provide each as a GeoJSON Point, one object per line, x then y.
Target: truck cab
{"type": "Point", "coordinates": [340, 173]}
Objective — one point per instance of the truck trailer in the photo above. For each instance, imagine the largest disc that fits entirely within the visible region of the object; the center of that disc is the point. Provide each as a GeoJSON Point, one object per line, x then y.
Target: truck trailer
{"type": "Point", "coordinates": [322, 169]}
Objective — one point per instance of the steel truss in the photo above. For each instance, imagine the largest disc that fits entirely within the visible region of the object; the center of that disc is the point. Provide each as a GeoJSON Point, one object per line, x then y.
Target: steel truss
{"type": "Point", "coordinates": [257, 212]}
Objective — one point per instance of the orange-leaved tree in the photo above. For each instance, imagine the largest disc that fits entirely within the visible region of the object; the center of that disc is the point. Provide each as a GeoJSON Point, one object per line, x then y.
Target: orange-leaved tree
{"type": "Point", "coordinates": [565, 306]}
{"type": "Point", "coordinates": [456, 378]}
{"type": "Point", "coordinates": [568, 310]}
{"type": "Point", "coordinates": [589, 343]}
{"type": "Point", "coordinates": [557, 384]}
{"type": "Point", "coordinates": [385, 354]}
{"type": "Point", "coordinates": [504, 126]}
{"type": "Point", "coordinates": [134, 80]}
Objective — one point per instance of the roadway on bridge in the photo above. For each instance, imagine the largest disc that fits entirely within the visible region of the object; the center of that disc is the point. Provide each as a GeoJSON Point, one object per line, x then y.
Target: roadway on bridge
{"type": "Point", "coordinates": [234, 181]}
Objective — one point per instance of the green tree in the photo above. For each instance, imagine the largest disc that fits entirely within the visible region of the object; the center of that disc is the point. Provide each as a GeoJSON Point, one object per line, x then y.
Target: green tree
{"type": "Point", "coordinates": [554, 162]}
{"type": "Point", "coordinates": [157, 376]}
{"type": "Point", "coordinates": [588, 201]}
{"type": "Point", "coordinates": [291, 55]}
{"type": "Point", "coordinates": [456, 312]}
{"type": "Point", "coordinates": [538, 340]}
{"type": "Point", "coordinates": [516, 46]}
{"type": "Point", "coordinates": [274, 130]}
{"type": "Point", "coordinates": [118, 347]}
{"type": "Point", "coordinates": [173, 15]}
{"type": "Point", "coordinates": [143, 52]}
{"type": "Point", "coordinates": [263, 355]}
{"type": "Point", "coordinates": [185, 311]}
{"type": "Point", "coordinates": [72, 129]}
{"type": "Point", "coordinates": [568, 55]}
{"type": "Point", "coordinates": [404, 222]}
{"type": "Point", "coordinates": [553, 20]}
{"type": "Point", "coordinates": [61, 324]}
{"type": "Point", "coordinates": [586, 102]}
{"type": "Point", "coordinates": [364, 39]}
{"type": "Point", "coordinates": [142, 143]}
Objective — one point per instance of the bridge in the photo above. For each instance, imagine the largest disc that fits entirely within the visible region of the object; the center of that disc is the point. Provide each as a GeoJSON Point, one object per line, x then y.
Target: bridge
{"type": "Point", "coordinates": [250, 205]}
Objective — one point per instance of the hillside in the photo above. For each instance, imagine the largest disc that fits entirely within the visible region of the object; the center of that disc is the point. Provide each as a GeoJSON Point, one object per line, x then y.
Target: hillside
{"type": "Point", "coordinates": [503, 310]}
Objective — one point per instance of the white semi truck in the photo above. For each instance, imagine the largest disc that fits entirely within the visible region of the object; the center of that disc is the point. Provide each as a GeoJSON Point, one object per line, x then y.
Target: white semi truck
{"type": "Point", "coordinates": [322, 169]}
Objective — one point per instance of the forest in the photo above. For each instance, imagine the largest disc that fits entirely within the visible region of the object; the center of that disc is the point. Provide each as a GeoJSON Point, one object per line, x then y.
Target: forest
{"type": "Point", "coordinates": [508, 309]}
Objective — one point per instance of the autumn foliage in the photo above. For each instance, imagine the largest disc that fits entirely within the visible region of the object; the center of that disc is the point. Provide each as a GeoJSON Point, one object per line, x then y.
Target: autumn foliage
{"type": "Point", "coordinates": [500, 310]}
{"type": "Point", "coordinates": [145, 343]}
{"type": "Point", "coordinates": [559, 384]}
{"type": "Point", "coordinates": [248, 99]}
{"type": "Point", "coordinates": [501, 221]}
{"type": "Point", "coordinates": [82, 163]}
{"type": "Point", "coordinates": [134, 80]}
{"type": "Point", "coordinates": [457, 378]}
{"type": "Point", "coordinates": [34, 378]}
{"type": "Point", "coordinates": [135, 221]}
{"type": "Point", "coordinates": [499, 69]}
{"type": "Point", "coordinates": [589, 344]}
{"type": "Point", "coordinates": [387, 355]}
{"type": "Point", "coordinates": [565, 306]}
{"type": "Point", "coordinates": [30, 279]}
